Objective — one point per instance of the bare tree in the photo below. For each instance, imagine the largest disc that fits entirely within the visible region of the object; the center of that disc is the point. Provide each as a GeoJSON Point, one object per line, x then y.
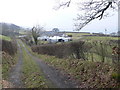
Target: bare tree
{"type": "Point", "coordinates": [92, 9]}
{"type": "Point", "coordinates": [36, 32]}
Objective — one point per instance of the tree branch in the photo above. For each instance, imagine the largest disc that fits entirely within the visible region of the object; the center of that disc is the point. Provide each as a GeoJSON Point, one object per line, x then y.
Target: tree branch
{"type": "Point", "coordinates": [94, 9]}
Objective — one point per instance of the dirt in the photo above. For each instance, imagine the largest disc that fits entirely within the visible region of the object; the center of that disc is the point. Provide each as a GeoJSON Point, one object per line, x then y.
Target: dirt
{"type": "Point", "coordinates": [58, 79]}
{"type": "Point", "coordinates": [15, 73]}
{"type": "Point", "coordinates": [6, 84]}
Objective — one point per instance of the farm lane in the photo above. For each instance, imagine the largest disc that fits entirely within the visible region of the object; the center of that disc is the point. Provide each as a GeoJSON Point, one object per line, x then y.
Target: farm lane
{"type": "Point", "coordinates": [15, 73]}
{"type": "Point", "coordinates": [54, 76]}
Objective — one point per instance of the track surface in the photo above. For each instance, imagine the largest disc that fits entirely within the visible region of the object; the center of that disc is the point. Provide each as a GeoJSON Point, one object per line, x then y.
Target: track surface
{"type": "Point", "coordinates": [51, 74]}
{"type": "Point", "coordinates": [15, 73]}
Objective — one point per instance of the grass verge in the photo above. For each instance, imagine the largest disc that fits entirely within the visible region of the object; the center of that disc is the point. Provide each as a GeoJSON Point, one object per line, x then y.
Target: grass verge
{"type": "Point", "coordinates": [89, 74]}
{"type": "Point", "coordinates": [32, 75]}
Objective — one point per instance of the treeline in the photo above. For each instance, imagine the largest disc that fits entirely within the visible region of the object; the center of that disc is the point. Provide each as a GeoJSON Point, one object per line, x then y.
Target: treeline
{"type": "Point", "coordinates": [9, 29]}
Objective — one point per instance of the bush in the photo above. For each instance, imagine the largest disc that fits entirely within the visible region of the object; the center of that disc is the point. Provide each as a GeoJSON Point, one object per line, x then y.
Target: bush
{"type": "Point", "coordinates": [75, 49]}
{"type": "Point", "coordinates": [9, 47]}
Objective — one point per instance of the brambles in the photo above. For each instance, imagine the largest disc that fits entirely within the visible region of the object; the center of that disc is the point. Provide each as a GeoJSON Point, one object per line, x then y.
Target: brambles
{"type": "Point", "coordinates": [116, 53]}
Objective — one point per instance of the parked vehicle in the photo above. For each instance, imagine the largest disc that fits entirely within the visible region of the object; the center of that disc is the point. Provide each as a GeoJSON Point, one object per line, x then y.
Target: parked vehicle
{"type": "Point", "coordinates": [55, 39]}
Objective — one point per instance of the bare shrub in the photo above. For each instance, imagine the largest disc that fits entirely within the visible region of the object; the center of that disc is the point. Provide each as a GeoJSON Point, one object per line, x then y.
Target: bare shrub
{"type": "Point", "coordinates": [9, 47]}
{"type": "Point", "coordinates": [101, 48]}
{"type": "Point", "coordinates": [76, 49]}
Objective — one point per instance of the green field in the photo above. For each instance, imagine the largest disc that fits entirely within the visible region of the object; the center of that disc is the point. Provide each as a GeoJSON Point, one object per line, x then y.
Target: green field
{"type": "Point", "coordinates": [100, 38]}
{"type": "Point", "coordinates": [5, 38]}
{"type": "Point", "coordinates": [76, 36]}
{"type": "Point", "coordinates": [22, 32]}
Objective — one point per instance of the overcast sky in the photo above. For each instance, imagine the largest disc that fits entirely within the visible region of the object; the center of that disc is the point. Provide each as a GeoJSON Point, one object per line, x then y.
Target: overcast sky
{"type": "Point", "coordinates": [28, 13]}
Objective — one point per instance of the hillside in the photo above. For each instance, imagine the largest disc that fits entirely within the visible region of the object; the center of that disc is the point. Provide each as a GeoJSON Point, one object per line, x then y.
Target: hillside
{"type": "Point", "coordinates": [8, 29]}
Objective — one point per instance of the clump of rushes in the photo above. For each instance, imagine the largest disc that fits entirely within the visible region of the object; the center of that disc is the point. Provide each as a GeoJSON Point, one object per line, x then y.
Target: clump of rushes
{"type": "Point", "coordinates": [32, 76]}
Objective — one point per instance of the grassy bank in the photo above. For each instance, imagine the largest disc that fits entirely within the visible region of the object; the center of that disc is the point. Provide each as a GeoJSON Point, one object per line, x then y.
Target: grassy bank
{"type": "Point", "coordinates": [32, 75]}
{"type": "Point", "coordinates": [9, 56]}
{"type": "Point", "coordinates": [91, 74]}
{"type": "Point", "coordinates": [5, 38]}
{"type": "Point", "coordinates": [88, 73]}
{"type": "Point", "coordinates": [7, 63]}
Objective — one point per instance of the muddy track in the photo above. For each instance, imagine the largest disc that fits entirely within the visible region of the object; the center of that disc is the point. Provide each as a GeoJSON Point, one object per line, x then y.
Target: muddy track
{"type": "Point", "coordinates": [15, 73]}
{"type": "Point", "coordinates": [54, 76]}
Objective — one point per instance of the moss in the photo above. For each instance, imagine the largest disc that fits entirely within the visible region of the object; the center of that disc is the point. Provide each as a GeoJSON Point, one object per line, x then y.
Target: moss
{"type": "Point", "coordinates": [116, 76]}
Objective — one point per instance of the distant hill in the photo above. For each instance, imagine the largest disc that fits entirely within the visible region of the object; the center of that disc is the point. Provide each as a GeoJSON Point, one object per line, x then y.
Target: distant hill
{"type": "Point", "coordinates": [8, 29]}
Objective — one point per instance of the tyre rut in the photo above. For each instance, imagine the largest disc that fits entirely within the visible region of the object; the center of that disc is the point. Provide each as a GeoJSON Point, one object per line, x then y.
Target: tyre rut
{"type": "Point", "coordinates": [15, 73]}
{"type": "Point", "coordinates": [54, 76]}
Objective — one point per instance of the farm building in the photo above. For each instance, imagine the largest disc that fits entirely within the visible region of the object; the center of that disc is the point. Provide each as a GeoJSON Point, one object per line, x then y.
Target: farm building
{"type": "Point", "coordinates": [55, 39]}
{"type": "Point", "coordinates": [54, 36]}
